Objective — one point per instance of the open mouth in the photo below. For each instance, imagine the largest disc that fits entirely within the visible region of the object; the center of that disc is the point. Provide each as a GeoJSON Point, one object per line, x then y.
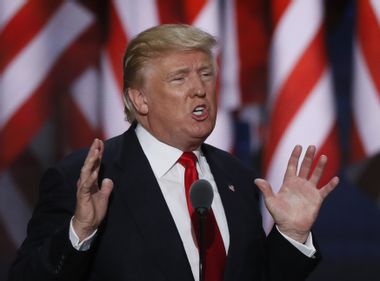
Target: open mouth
{"type": "Point", "coordinates": [200, 112]}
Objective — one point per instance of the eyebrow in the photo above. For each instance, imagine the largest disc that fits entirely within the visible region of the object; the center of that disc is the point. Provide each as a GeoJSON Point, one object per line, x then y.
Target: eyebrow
{"type": "Point", "coordinates": [186, 70]}
{"type": "Point", "coordinates": [183, 70]}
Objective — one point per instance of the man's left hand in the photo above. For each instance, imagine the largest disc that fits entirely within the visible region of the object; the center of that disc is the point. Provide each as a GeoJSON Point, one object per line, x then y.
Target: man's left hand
{"type": "Point", "coordinates": [296, 206]}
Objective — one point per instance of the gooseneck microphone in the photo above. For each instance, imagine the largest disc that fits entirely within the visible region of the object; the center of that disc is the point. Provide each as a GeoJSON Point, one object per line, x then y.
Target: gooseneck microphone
{"type": "Point", "coordinates": [201, 196]}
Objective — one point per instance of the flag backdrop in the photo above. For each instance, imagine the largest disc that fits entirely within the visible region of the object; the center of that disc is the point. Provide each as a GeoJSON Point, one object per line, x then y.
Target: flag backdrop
{"type": "Point", "coordinates": [365, 144]}
{"type": "Point", "coordinates": [366, 88]}
{"type": "Point", "coordinates": [61, 83]}
{"type": "Point", "coordinates": [301, 103]}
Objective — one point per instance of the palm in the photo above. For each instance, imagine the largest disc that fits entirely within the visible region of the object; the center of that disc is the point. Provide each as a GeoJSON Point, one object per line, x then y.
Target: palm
{"type": "Point", "coordinates": [295, 207]}
{"type": "Point", "coordinates": [92, 201]}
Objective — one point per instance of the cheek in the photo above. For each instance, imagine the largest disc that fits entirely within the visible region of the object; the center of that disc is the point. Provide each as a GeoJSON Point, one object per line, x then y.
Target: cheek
{"type": "Point", "coordinates": [169, 110]}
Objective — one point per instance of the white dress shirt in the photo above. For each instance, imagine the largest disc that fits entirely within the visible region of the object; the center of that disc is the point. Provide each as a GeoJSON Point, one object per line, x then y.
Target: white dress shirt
{"type": "Point", "coordinates": [170, 176]}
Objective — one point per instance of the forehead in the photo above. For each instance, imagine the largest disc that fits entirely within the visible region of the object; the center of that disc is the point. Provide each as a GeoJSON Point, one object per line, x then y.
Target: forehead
{"type": "Point", "coordinates": [182, 59]}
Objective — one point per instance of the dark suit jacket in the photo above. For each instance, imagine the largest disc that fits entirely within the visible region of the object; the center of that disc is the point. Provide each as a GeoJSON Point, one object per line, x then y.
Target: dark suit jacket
{"type": "Point", "coordinates": [138, 240]}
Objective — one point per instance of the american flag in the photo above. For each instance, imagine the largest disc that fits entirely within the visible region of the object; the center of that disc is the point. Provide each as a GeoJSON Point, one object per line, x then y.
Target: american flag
{"type": "Point", "coordinates": [61, 81]}
{"type": "Point", "coordinates": [300, 102]}
{"type": "Point", "coordinates": [366, 90]}
{"type": "Point", "coordinates": [365, 145]}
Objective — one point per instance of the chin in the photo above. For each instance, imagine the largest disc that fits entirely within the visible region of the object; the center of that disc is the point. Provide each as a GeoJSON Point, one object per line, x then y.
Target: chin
{"type": "Point", "coordinates": [203, 133]}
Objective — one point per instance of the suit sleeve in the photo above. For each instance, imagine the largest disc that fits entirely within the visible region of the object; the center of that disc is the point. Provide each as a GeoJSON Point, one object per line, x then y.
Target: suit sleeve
{"type": "Point", "coordinates": [47, 253]}
{"type": "Point", "coordinates": [286, 262]}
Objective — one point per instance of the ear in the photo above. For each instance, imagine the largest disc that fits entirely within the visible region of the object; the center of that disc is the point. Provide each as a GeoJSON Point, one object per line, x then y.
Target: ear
{"type": "Point", "coordinates": [139, 100]}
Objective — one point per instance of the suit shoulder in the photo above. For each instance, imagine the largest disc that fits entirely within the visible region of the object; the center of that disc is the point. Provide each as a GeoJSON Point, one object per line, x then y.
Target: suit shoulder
{"type": "Point", "coordinates": [73, 162]}
{"type": "Point", "coordinates": [226, 158]}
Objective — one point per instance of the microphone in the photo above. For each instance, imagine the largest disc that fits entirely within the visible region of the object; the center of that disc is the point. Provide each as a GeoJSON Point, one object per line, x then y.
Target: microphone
{"type": "Point", "coordinates": [201, 196]}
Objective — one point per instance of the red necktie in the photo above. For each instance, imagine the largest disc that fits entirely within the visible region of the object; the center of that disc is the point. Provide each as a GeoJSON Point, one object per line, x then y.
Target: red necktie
{"type": "Point", "coordinates": [215, 254]}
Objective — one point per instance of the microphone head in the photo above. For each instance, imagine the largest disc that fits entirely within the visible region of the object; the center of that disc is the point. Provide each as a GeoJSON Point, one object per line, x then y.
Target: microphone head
{"type": "Point", "coordinates": [201, 195]}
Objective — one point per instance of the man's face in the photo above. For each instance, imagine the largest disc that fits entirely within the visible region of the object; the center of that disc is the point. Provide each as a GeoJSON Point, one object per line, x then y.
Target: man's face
{"type": "Point", "coordinates": [179, 89]}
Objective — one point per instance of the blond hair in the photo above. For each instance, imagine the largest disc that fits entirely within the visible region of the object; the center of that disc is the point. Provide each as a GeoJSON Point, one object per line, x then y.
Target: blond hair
{"type": "Point", "coordinates": [155, 42]}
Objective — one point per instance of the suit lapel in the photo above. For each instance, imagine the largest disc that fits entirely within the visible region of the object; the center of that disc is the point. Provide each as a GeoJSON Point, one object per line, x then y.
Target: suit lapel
{"type": "Point", "coordinates": [233, 204]}
{"type": "Point", "coordinates": [144, 198]}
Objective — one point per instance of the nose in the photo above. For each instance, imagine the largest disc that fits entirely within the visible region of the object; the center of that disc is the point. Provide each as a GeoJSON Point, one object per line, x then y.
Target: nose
{"type": "Point", "coordinates": [198, 87]}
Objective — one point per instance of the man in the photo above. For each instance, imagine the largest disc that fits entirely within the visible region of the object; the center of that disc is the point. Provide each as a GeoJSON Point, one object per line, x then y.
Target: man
{"type": "Point", "coordinates": [119, 211]}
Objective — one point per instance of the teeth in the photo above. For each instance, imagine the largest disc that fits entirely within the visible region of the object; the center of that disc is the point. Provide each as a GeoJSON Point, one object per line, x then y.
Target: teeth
{"type": "Point", "coordinates": [198, 110]}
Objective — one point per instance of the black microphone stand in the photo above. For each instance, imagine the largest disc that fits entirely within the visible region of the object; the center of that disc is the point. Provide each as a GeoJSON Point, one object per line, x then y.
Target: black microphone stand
{"type": "Point", "coordinates": [202, 214]}
{"type": "Point", "coordinates": [201, 195]}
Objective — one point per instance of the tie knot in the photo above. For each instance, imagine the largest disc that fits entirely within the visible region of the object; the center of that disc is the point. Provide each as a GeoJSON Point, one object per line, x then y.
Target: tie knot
{"type": "Point", "coordinates": [187, 159]}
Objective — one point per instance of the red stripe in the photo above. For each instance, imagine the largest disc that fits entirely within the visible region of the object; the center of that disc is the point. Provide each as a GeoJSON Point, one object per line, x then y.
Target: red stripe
{"type": "Point", "coordinates": [369, 40]}
{"type": "Point", "coordinates": [79, 133]}
{"type": "Point", "coordinates": [357, 149]}
{"type": "Point", "coordinates": [23, 125]}
{"type": "Point", "coordinates": [171, 11]}
{"type": "Point", "coordinates": [193, 9]}
{"type": "Point", "coordinates": [278, 9]}
{"type": "Point", "coordinates": [330, 149]}
{"type": "Point", "coordinates": [22, 28]}
{"type": "Point", "coordinates": [184, 11]}
{"type": "Point", "coordinates": [253, 45]}
{"type": "Point", "coordinates": [294, 92]}
{"type": "Point", "coordinates": [116, 45]}
{"type": "Point", "coordinates": [19, 130]}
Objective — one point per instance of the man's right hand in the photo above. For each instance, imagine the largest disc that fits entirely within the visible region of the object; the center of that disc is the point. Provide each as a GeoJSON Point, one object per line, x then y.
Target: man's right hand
{"type": "Point", "coordinates": [92, 201]}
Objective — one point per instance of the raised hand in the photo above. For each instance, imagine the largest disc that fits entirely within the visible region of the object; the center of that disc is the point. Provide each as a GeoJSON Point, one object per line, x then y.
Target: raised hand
{"type": "Point", "coordinates": [92, 201]}
{"type": "Point", "coordinates": [296, 206]}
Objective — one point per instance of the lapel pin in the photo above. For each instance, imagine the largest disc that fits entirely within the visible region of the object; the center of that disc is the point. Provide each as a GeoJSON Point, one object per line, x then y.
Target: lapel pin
{"type": "Point", "coordinates": [231, 187]}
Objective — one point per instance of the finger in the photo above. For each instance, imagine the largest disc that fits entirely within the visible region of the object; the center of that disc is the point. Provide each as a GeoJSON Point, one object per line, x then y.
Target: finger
{"type": "Point", "coordinates": [330, 186]}
{"type": "Point", "coordinates": [265, 187]}
{"type": "Point", "coordinates": [100, 146]}
{"type": "Point", "coordinates": [98, 160]}
{"type": "Point", "coordinates": [104, 193]}
{"type": "Point", "coordinates": [307, 162]}
{"type": "Point", "coordinates": [318, 170]}
{"type": "Point", "coordinates": [106, 188]}
{"type": "Point", "coordinates": [90, 165]}
{"type": "Point", "coordinates": [291, 169]}
{"type": "Point", "coordinates": [93, 148]}
{"type": "Point", "coordinates": [90, 169]}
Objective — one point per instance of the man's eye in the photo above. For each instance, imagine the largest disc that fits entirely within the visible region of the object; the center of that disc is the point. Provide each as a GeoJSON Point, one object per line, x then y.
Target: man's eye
{"type": "Point", "coordinates": [207, 74]}
{"type": "Point", "coordinates": [178, 78]}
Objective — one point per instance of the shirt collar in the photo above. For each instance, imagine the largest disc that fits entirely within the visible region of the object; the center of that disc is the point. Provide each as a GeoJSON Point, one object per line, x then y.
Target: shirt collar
{"type": "Point", "coordinates": [161, 157]}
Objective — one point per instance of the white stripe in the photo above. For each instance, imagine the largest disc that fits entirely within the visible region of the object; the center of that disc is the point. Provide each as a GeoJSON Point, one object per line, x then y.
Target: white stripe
{"type": "Point", "coordinates": [136, 16]}
{"type": "Point", "coordinates": [8, 9]}
{"type": "Point", "coordinates": [376, 8]}
{"type": "Point", "coordinates": [221, 137]}
{"type": "Point", "coordinates": [113, 118]}
{"type": "Point", "coordinates": [30, 68]}
{"type": "Point", "coordinates": [14, 211]}
{"type": "Point", "coordinates": [366, 105]}
{"type": "Point", "coordinates": [311, 125]}
{"type": "Point", "coordinates": [85, 94]}
{"type": "Point", "coordinates": [295, 30]}
{"type": "Point", "coordinates": [230, 79]}
{"type": "Point", "coordinates": [208, 18]}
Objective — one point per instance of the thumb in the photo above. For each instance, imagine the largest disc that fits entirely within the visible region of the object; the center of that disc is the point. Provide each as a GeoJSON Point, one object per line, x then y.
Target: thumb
{"type": "Point", "coordinates": [265, 187]}
{"type": "Point", "coordinates": [106, 188]}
